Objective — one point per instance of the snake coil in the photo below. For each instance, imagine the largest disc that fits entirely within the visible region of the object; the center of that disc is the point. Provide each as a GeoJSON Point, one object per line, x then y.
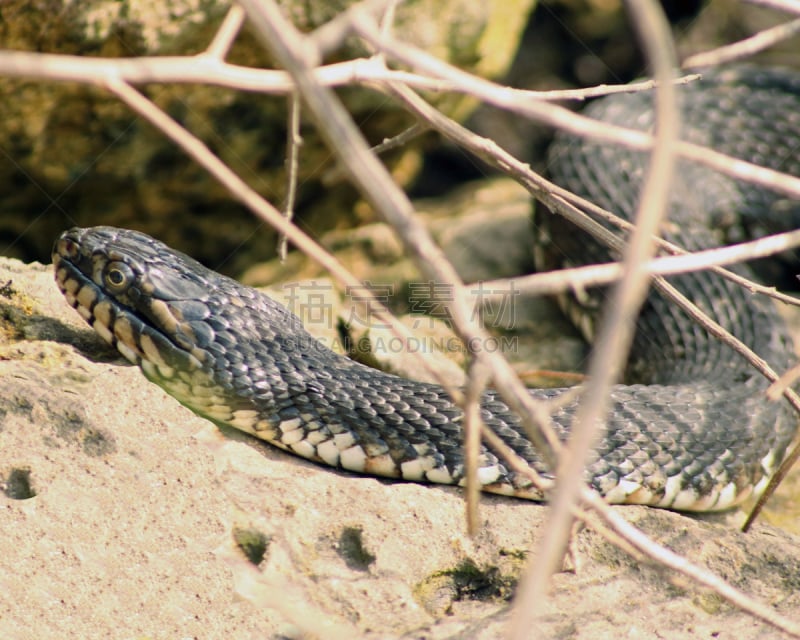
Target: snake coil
{"type": "Point", "coordinates": [690, 428]}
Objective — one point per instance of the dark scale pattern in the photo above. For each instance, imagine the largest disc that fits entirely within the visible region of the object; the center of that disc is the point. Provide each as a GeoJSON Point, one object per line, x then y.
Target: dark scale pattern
{"type": "Point", "coordinates": [691, 431]}
{"type": "Point", "coordinates": [726, 110]}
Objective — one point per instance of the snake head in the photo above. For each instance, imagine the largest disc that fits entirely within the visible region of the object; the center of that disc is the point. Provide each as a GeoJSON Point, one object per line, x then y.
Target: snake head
{"type": "Point", "coordinates": [206, 339]}
{"type": "Point", "coordinates": [183, 324]}
{"type": "Point", "coordinates": [141, 297]}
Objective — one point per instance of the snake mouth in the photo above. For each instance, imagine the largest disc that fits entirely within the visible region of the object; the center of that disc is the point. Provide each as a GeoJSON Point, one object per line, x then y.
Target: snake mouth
{"type": "Point", "coordinates": [71, 266]}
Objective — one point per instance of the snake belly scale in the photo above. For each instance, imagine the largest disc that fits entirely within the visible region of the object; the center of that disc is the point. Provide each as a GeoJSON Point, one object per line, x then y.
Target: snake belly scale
{"type": "Point", "coordinates": [689, 430]}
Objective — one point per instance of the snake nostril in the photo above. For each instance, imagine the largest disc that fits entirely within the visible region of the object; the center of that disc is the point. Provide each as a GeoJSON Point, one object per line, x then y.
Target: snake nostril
{"type": "Point", "coordinates": [67, 247]}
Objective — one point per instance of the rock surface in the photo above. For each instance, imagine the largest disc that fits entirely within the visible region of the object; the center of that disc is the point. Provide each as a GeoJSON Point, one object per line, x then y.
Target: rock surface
{"type": "Point", "coordinates": [125, 515]}
{"type": "Point", "coordinates": [76, 154]}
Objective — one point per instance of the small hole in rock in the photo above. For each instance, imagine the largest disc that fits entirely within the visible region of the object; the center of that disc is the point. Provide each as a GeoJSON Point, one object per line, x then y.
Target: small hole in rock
{"type": "Point", "coordinates": [252, 543]}
{"type": "Point", "coordinates": [352, 550]}
{"type": "Point", "coordinates": [18, 484]}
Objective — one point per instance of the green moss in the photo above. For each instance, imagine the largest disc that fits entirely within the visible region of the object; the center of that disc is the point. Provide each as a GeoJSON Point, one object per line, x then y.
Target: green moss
{"type": "Point", "coordinates": [252, 543]}
{"type": "Point", "coordinates": [468, 581]}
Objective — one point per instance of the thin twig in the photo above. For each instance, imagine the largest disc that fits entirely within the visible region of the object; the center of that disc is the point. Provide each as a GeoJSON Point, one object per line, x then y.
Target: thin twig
{"type": "Point", "coordinates": [792, 6]}
{"type": "Point", "coordinates": [207, 69]}
{"type": "Point", "coordinates": [744, 48]}
{"type": "Point", "coordinates": [226, 34]}
{"type": "Point", "coordinates": [599, 90]}
{"type": "Point", "coordinates": [573, 278]}
{"type": "Point", "coordinates": [199, 69]}
{"type": "Point", "coordinates": [388, 144]}
{"type": "Point", "coordinates": [386, 25]}
{"type": "Point", "coordinates": [293, 143]}
{"type": "Point", "coordinates": [331, 36]}
{"type": "Point", "coordinates": [477, 379]}
{"type": "Point", "coordinates": [566, 120]}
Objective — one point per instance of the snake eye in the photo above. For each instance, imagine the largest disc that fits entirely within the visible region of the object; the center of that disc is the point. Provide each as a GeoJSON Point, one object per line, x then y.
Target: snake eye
{"type": "Point", "coordinates": [118, 277]}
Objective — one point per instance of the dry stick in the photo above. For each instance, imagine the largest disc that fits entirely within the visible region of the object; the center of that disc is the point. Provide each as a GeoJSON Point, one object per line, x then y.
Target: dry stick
{"type": "Point", "coordinates": [226, 34]}
{"type": "Point", "coordinates": [576, 216]}
{"type": "Point", "coordinates": [744, 48]}
{"type": "Point", "coordinates": [292, 160]}
{"type": "Point", "coordinates": [202, 68]}
{"type": "Point", "coordinates": [477, 379]}
{"type": "Point", "coordinates": [777, 477]}
{"type": "Point", "coordinates": [341, 135]}
{"type": "Point", "coordinates": [617, 324]}
{"type": "Point", "coordinates": [792, 6]}
{"type": "Point", "coordinates": [331, 36]}
{"type": "Point", "coordinates": [564, 119]}
{"type": "Point", "coordinates": [599, 274]}
{"type": "Point", "coordinates": [603, 89]}
{"type": "Point", "coordinates": [207, 68]}
{"type": "Point", "coordinates": [399, 140]}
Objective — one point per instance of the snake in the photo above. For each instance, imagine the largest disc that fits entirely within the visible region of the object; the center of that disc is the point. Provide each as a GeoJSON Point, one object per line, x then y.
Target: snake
{"type": "Point", "coordinates": [688, 426]}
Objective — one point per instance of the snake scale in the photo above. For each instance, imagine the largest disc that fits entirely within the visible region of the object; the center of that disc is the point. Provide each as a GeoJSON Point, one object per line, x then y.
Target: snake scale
{"type": "Point", "coordinates": [689, 429]}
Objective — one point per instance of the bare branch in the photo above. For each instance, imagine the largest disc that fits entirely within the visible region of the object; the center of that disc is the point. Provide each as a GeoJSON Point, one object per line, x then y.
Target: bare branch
{"type": "Point", "coordinates": [618, 322]}
{"type": "Point", "coordinates": [747, 47]}
{"type": "Point", "coordinates": [792, 6]}
{"type": "Point", "coordinates": [562, 280]}
{"type": "Point", "coordinates": [226, 34]}
{"type": "Point", "coordinates": [205, 68]}
{"type": "Point", "coordinates": [401, 139]}
{"type": "Point", "coordinates": [566, 120]}
{"type": "Point", "coordinates": [292, 159]}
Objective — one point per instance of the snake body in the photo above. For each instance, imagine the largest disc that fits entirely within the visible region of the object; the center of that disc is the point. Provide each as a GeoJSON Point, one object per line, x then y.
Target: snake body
{"type": "Point", "coordinates": [689, 429]}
